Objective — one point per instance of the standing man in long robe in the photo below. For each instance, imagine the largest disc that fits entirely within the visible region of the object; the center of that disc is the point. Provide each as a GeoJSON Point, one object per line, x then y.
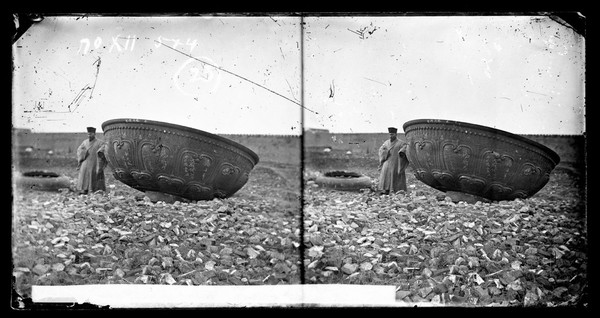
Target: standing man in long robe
{"type": "Point", "coordinates": [392, 163]}
{"type": "Point", "coordinates": [91, 163]}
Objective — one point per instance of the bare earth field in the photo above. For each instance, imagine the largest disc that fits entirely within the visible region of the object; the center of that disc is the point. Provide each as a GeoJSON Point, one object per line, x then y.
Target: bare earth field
{"type": "Point", "coordinates": [530, 252]}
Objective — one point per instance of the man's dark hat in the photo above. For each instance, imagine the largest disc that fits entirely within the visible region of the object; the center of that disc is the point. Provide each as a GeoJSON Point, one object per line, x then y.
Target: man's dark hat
{"type": "Point", "coordinates": [91, 129]}
{"type": "Point", "coordinates": [392, 130]}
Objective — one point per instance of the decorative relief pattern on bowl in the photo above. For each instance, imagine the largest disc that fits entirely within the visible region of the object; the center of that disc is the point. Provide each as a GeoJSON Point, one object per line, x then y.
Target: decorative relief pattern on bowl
{"type": "Point", "coordinates": [478, 160]}
{"type": "Point", "coordinates": [155, 156]}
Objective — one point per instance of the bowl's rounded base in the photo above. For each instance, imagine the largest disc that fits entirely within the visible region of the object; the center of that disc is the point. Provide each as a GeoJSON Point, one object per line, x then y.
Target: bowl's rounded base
{"type": "Point", "coordinates": [466, 197]}
{"type": "Point", "coordinates": [479, 160]}
{"type": "Point", "coordinates": [176, 160]}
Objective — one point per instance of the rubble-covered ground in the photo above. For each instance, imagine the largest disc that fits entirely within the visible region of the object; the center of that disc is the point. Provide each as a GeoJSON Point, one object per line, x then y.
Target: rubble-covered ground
{"type": "Point", "coordinates": [530, 252]}
{"type": "Point", "coordinates": [121, 237]}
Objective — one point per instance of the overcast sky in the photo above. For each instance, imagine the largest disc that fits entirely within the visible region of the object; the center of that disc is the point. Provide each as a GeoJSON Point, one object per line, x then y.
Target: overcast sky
{"type": "Point", "coordinates": [58, 85]}
{"type": "Point", "coordinates": [517, 73]}
{"type": "Point", "coordinates": [523, 74]}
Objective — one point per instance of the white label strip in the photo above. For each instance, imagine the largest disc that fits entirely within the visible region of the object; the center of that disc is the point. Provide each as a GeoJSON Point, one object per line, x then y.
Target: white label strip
{"type": "Point", "coordinates": [169, 296]}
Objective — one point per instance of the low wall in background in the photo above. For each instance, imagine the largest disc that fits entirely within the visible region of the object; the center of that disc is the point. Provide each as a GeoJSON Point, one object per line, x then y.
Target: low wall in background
{"type": "Point", "coordinates": [570, 148]}
{"type": "Point", "coordinates": [285, 148]}
{"type": "Point", "coordinates": [269, 148]}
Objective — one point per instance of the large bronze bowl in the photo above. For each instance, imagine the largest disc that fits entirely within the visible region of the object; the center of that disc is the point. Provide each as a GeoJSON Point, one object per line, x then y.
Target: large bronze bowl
{"type": "Point", "coordinates": [177, 160]}
{"type": "Point", "coordinates": [481, 161]}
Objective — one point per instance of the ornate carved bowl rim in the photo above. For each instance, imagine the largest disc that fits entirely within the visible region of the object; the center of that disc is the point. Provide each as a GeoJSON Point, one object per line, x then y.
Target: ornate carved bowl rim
{"type": "Point", "coordinates": [485, 129]}
{"type": "Point", "coordinates": [189, 130]}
